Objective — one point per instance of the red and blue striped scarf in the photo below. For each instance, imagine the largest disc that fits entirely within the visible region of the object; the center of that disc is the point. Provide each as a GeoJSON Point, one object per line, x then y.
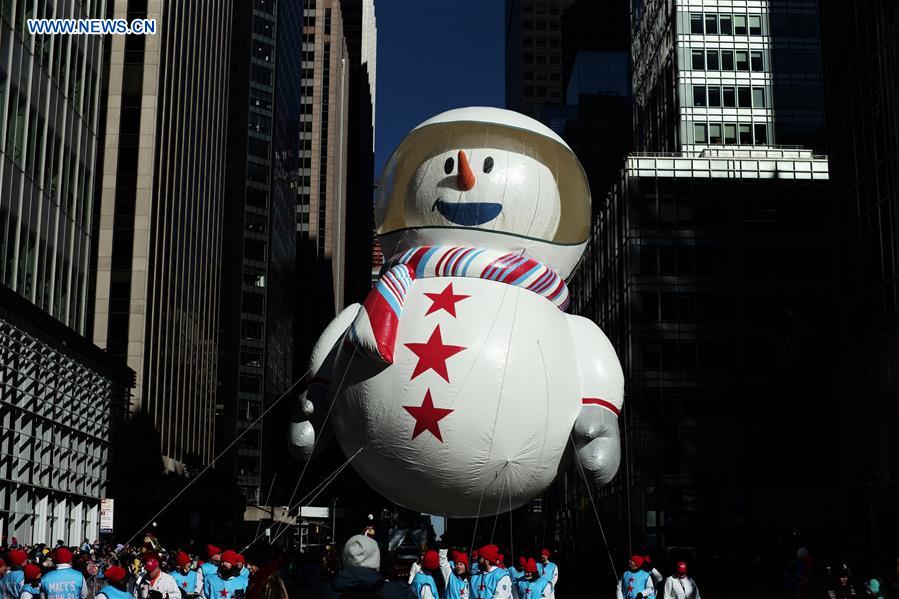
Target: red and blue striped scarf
{"type": "Point", "coordinates": [374, 330]}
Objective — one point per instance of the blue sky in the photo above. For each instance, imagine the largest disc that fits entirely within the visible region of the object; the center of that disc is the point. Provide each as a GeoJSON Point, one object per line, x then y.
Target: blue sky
{"type": "Point", "coordinates": [434, 55]}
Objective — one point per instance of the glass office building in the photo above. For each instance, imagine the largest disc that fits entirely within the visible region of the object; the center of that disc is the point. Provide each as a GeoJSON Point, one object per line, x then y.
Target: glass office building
{"type": "Point", "coordinates": [60, 396]}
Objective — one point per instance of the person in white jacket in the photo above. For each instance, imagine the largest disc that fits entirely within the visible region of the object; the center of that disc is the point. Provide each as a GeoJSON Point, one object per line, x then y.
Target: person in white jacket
{"type": "Point", "coordinates": [680, 586]}
{"type": "Point", "coordinates": [153, 580]}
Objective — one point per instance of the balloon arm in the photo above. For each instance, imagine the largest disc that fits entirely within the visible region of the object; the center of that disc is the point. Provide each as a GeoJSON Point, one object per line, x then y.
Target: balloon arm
{"type": "Point", "coordinates": [596, 434]}
{"type": "Point", "coordinates": [312, 404]}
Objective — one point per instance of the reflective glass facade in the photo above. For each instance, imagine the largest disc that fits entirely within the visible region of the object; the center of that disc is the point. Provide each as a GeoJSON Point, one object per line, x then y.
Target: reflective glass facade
{"type": "Point", "coordinates": [49, 104]}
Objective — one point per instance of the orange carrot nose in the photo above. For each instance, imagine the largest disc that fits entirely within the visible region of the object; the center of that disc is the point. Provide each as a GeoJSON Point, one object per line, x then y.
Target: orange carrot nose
{"type": "Point", "coordinates": [465, 179]}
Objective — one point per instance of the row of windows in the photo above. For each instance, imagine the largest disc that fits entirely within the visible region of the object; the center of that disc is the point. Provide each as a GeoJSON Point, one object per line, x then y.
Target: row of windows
{"type": "Point", "coordinates": [730, 133]}
{"type": "Point", "coordinates": [540, 25]}
{"type": "Point", "coordinates": [729, 96]}
{"type": "Point", "coordinates": [541, 91]}
{"type": "Point", "coordinates": [541, 42]}
{"type": "Point", "coordinates": [542, 76]}
{"type": "Point", "coordinates": [727, 60]}
{"type": "Point", "coordinates": [725, 24]}
{"type": "Point", "coordinates": [528, 57]}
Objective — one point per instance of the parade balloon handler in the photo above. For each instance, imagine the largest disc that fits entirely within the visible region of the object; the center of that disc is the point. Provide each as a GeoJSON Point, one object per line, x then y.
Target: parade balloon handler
{"type": "Point", "coordinates": [679, 585]}
{"type": "Point", "coordinates": [533, 585]}
{"type": "Point", "coordinates": [455, 574]}
{"type": "Point", "coordinates": [226, 582]}
{"type": "Point", "coordinates": [154, 583]}
{"type": "Point", "coordinates": [215, 559]}
{"type": "Point", "coordinates": [12, 583]}
{"type": "Point", "coordinates": [64, 582]}
{"type": "Point", "coordinates": [189, 581]}
{"type": "Point", "coordinates": [491, 582]}
{"type": "Point", "coordinates": [117, 587]}
{"type": "Point", "coordinates": [548, 569]}
{"type": "Point", "coordinates": [428, 581]}
{"type": "Point", "coordinates": [32, 587]}
{"type": "Point", "coordinates": [483, 214]}
{"type": "Point", "coordinates": [635, 582]}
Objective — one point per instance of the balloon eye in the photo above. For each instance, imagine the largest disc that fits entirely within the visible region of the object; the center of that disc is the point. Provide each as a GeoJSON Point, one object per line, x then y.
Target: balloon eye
{"type": "Point", "coordinates": [448, 166]}
{"type": "Point", "coordinates": [488, 164]}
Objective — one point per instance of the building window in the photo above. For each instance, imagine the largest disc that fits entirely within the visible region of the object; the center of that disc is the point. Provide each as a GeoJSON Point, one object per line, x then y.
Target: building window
{"type": "Point", "coordinates": [730, 133]}
{"type": "Point", "coordinates": [745, 135]}
{"type": "Point", "coordinates": [696, 23]}
{"type": "Point", "coordinates": [714, 96]}
{"type": "Point", "coordinates": [727, 60]}
{"type": "Point", "coordinates": [711, 60]}
{"type": "Point", "coordinates": [715, 133]}
{"type": "Point", "coordinates": [742, 60]}
{"type": "Point", "coordinates": [698, 60]}
{"type": "Point", "coordinates": [761, 134]}
{"type": "Point", "coordinates": [725, 24]}
{"type": "Point", "coordinates": [250, 384]}
{"type": "Point", "coordinates": [728, 97]}
{"type": "Point", "coordinates": [699, 133]}
{"type": "Point", "coordinates": [756, 60]}
{"type": "Point", "coordinates": [254, 277]}
{"type": "Point", "coordinates": [755, 25]}
{"type": "Point", "coordinates": [698, 95]}
{"type": "Point", "coordinates": [711, 24]}
{"type": "Point", "coordinates": [251, 330]}
{"type": "Point", "coordinates": [739, 24]}
{"type": "Point", "coordinates": [253, 303]}
{"type": "Point", "coordinates": [744, 97]}
{"type": "Point", "coordinates": [758, 97]}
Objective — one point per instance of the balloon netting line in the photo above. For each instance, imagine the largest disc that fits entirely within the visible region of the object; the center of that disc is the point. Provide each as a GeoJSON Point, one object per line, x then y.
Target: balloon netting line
{"type": "Point", "coordinates": [317, 438]}
{"type": "Point", "coordinates": [602, 532]}
{"type": "Point", "coordinates": [496, 420]}
{"type": "Point", "coordinates": [207, 467]}
{"type": "Point", "coordinates": [310, 496]}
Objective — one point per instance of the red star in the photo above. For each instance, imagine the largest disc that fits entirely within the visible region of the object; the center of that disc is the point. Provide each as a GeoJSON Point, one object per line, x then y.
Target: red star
{"type": "Point", "coordinates": [223, 592]}
{"type": "Point", "coordinates": [184, 584]}
{"type": "Point", "coordinates": [427, 417]}
{"type": "Point", "coordinates": [445, 300]}
{"type": "Point", "coordinates": [433, 355]}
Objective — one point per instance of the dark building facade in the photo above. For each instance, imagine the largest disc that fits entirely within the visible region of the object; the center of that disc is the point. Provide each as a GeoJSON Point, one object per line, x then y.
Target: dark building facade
{"type": "Point", "coordinates": [711, 275]}
{"type": "Point", "coordinates": [256, 321]}
{"type": "Point", "coordinates": [861, 63]}
{"type": "Point", "coordinates": [61, 397]}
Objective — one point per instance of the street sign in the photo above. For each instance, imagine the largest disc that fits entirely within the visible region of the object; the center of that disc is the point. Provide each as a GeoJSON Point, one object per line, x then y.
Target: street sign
{"type": "Point", "coordinates": [107, 510]}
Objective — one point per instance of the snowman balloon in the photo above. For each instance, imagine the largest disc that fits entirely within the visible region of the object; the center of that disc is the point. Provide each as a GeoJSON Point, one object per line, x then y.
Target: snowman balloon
{"type": "Point", "coordinates": [460, 386]}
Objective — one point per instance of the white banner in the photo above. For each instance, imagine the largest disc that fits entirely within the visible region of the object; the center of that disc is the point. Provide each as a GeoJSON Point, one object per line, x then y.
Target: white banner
{"type": "Point", "coordinates": [107, 509]}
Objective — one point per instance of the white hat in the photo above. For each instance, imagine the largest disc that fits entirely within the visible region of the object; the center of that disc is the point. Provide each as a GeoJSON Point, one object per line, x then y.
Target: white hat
{"type": "Point", "coordinates": [363, 551]}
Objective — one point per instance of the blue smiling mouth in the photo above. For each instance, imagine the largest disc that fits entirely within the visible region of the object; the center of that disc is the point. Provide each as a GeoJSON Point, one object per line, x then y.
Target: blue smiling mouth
{"type": "Point", "coordinates": [468, 214]}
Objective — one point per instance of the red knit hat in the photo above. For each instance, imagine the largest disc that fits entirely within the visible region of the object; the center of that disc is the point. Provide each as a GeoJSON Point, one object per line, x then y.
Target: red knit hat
{"type": "Point", "coordinates": [531, 566]}
{"type": "Point", "coordinates": [63, 556]}
{"type": "Point", "coordinates": [522, 561]}
{"type": "Point", "coordinates": [17, 557]}
{"type": "Point", "coordinates": [501, 560]}
{"type": "Point", "coordinates": [475, 554]}
{"type": "Point", "coordinates": [681, 567]}
{"type": "Point", "coordinates": [115, 574]}
{"type": "Point", "coordinates": [489, 553]}
{"type": "Point", "coordinates": [229, 556]}
{"type": "Point", "coordinates": [241, 559]}
{"type": "Point", "coordinates": [431, 560]}
{"type": "Point", "coordinates": [32, 572]}
{"type": "Point", "coordinates": [461, 557]}
{"type": "Point", "coordinates": [638, 560]}
{"type": "Point", "coordinates": [182, 559]}
{"type": "Point", "coordinates": [212, 550]}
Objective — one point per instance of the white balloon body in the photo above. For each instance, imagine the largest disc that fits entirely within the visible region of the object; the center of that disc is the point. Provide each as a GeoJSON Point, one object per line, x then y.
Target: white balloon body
{"type": "Point", "coordinates": [513, 393]}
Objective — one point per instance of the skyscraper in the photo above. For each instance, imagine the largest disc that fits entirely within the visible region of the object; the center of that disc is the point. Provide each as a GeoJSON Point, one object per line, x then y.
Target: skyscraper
{"type": "Point", "coordinates": [256, 321]}
{"type": "Point", "coordinates": [862, 73]}
{"type": "Point", "coordinates": [534, 55]}
{"type": "Point", "coordinates": [61, 397]}
{"type": "Point", "coordinates": [161, 204]}
{"type": "Point", "coordinates": [713, 73]}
